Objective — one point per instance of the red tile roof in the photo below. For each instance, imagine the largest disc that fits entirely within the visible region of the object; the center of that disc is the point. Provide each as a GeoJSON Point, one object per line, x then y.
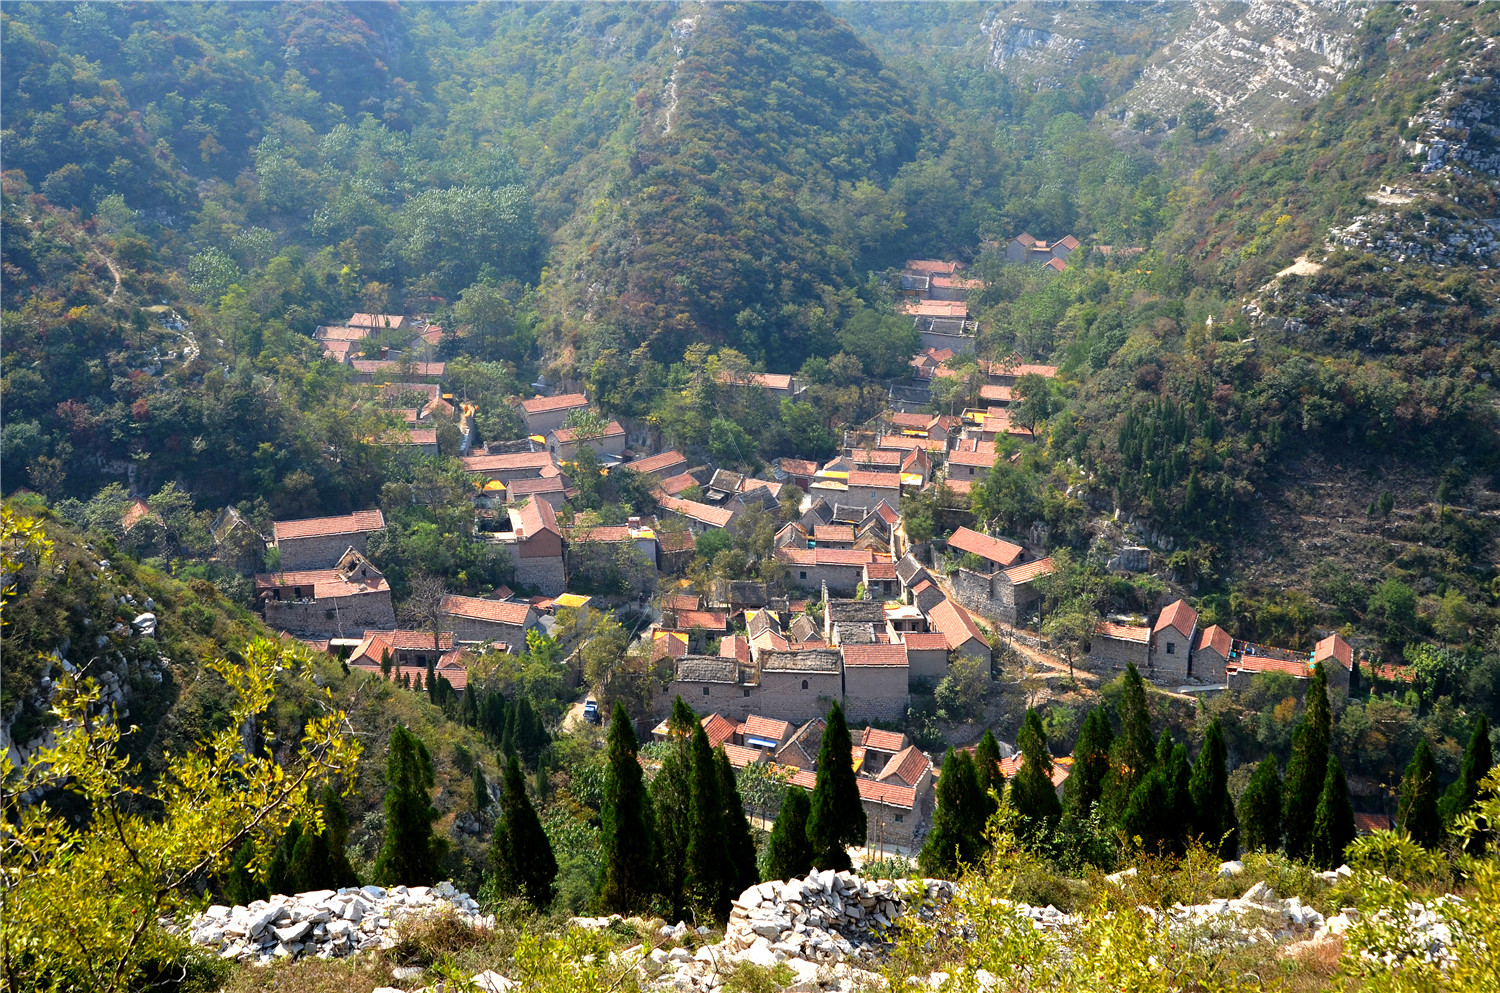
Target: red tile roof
{"type": "Point", "coordinates": [1028, 571]}
{"type": "Point", "coordinates": [654, 463]}
{"type": "Point", "coordinates": [393, 321]}
{"type": "Point", "coordinates": [326, 583]}
{"type": "Point", "coordinates": [567, 435]}
{"type": "Point", "coordinates": [734, 647]}
{"type": "Point", "coordinates": [320, 527]}
{"type": "Point", "coordinates": [1367, 823]}
{"type": "Point", "coordinates": [1123, 632]}
{"type": "Point", "coordinates": [904, 443]}
{"type": "Point", "coordinates": [1025, 239]}
{"type": "Point", "coordinates": [718, 729]}
{"type": "Point", "coordinates": [1216, 638]}
{"type": "Point", "coordinates": [1179, 615]}
{"type": "Point", "coordinates": [886, 794]}
{"type": "Point", "coordinates": [673, 485]}
{"type": "Point", "coordinates": [372, 366]}
{"type": "Point", "coordinates": [925, 641]}
{"type": "Point", "coordinates": [609, 533]}
{"type": "Point", "coordinates": [708, 620]}
{"type": "Point", "coordinates": [833, 532]}
{"type": "Point", "coordinates": [1334, 647]}
{"type": "Point", "coordinates": [880, 569]}
{"type": "Point", "coordinates": [885, 655]}
{"type": "Point", "coordinates": [995, 394]}
{"type": "Point", "coordinates": [1262, 663]}
{"type": "Point", "coordinates": [674, 541]}
{"type": "Point", "coordinates": [1068, 241]}
{"type": "Point", "coordinates": [694, 511]}
{"type": "Point", "coordinates": [876, 456]}
{"type": "Point", "coordinates": [798, 467]}
{"type": "Point", "coordinates": [935, 308]}
{"type": "Point", "coordinates": [1017, 368]}
{"type": "Point", "coordinates": [765, 727]}
{"type": "Point", "coordinates": [933, 266]}
{"type": "Point", "coordinates": [480, 609]}
{"type": "Point", "coordinates": [1010, 766]}
{"type": "Point", "coordinates": [537, 516]}
{"type": "Point", "coordinates": [981, 460]}
{"type": "Point", "coordinates": [520, 488]}
{"type": "Point", "coordinates": [907, 765]}
{"type": "Point", "coordinates": [996, 550]}
{"type": "Point", "coordinates": [739, 756]}
{"type": "Point", "coordinates": [881, 740]}
{"type": "Point", "coordinates": [879, 480]}
{"type": "Point", "coordinates": [954, 623]}
{"type": "Point", "coordinates": [512, 460]}
{"type": "Point", "coordinates": [564, 401]}
{"type": "Point", "coordinates": [1057, 264]}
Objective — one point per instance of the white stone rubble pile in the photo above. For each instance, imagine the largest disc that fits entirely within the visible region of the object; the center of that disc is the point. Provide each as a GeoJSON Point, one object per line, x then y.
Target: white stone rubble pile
{"type": "Point", "coordinates": [324, 923]}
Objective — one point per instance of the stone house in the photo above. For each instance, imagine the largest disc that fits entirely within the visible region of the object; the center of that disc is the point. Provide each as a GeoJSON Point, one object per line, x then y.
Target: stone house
{"type": "Point", "coordinates": [346, 599]}
{"type": "Point", "coordinates": [386, 370]}
{"type": "Point", "coordinates": [866, 489]}
{"type": "Point", "coordinates": [1172, 641]}
{"type": "Point", "coordinates": [319, 542]}
{"type": "Point", "coordinates": [405, 648]}
{"type": "Point", "coordinates": [1114, 646]}
{"type": "Point", "coordinates": [959, 630]}
{"type": "Point", "coordinates": [549, 489]}
{"type": "Point", "coordinates": [545, 414]}
{"type": "Point", "coordinates": [662, 465]}
{"type": "Point", "coordinates": [531, 532]}
{"type": "Point", "coordinates": [1211, 655]}
{"type": "Point", "coordinates": [840, 570]}
{"type": "Point", "coordinates": [1337, 654]}
{"type": "Point", "coordinates": [970, 467]}
{"type": "Point", "coordinates": [509, 466]}
{"type": "Point", "coordinates": [564, 442]}
{"type": "Point", "coordinates": [927, 656]}
{"type": "Point", "coordinates": [700, 517]}
{"type": "Point", "coordinates": [880, 579]}
{"type": "Point", "coordinates": [476, 619]}
{"type": "Point", "coordinates": [994, 553]}
{"type": "Point", "coordinates": [876, 682]}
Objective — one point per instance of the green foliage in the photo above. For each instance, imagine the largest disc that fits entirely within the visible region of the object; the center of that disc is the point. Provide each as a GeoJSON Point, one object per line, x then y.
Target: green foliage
{"type": "Point", "coordinates": [1477, 761]}
{"type": "Point", "coordinates": [521, 852]}
{"type": "Point", "coordinates": [987, 769]}
{"type": "Point", "coordinates": [710, 867]}
{"type": "Point", "coordinates": [738, 843]}
{"type": "Point", "coordinates": [789, 852]}
{"type": "Point", "coordinates": [1031, 792]}
{"type": "Point", "coordinates": [1260, 809]}
{"type": "Point", "coordinates": [671, 800]}
{"type": "Point", "coordinates": [411, 853]}
{"type": "Point", "coordinates": [1214, 821]}
{"type": "Point", "coordinates": [956, 838]}
{"type": "Point", "coordinates": [1307, 768]}
{"type": "Point", "coordinates": [1132, 754]}
{"type": "Point", "coordinates": [1090, 777]}
{"type": "Point", "coordinates": [1333, 825]}
{"type": "Point", "coordinates": [1417, 809]}
{"type": "Point", "coordinates": [630, 876]}
{"type": "Point", "coordinates": [837, 817]}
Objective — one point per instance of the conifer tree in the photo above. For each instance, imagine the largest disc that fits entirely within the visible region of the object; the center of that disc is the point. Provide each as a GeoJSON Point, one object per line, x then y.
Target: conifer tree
{"type": "Point", "coordinates": [708, 868]}
{"type": "Point", "coordinates": [318, 860]}
{"type": "Point", "coordinates": [987, 768]}
{"type": "Point", "coordinates": [1133, 756]}
{"type": "Point", "coordinates": [411, 853]}
{"type": "Point", "coordinates": [1031, 790]}
{"type": "Point", "coordinates": [1148, 814]}
{"type": "Point", "coordinates": [1417, 810]}
{"type": "Point", "coordinates": [1477, 761]}
{"type": "Point", "coordinates": [671, 800]}
{"type": "Point", "coordinates": [279, 875]}
{"type": "Point", "coordinates": [1213, 808]}
{"type": "Point", "coordinates": [432, 688]}
{"type": "Point", "coordinates": [1179, 800]}
{"type": "Point", "coordinates": [626, 825]}
{"type": "Point", "coordinates": [241, 886]}
{"type": "Point", "coordinates": [385, 663]}
{"type": "Point", "coordinates": [1333, 824]}
{"type": "Point", "coordinates": [789, 853]}
{"type": "Point", "coordinates": [521, 852]}
{"type": "Point", "coordinates": [837, 819]}
{"type": "Point", "coordinates": [1307, 768]}
{"type": "Point", "coordinates": [953, 841]}
{"type": "Point", "coordinates": [739, 843]}
{"type": "Point", "coordinates": [1260, 809]}
{"type": "Point", "coordinates": [1091, 769]}
{"type": "Point", "coordinates": [468, 709]}
{"type": "Point", "coordinates": [481, 790]}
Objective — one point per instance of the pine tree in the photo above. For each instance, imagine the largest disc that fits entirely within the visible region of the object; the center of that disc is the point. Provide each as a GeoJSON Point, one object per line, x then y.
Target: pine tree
{"type": "Point", "coordinates": [1333, 825]}
{"type": "Point", "coordinates": [739, 842]}
{"type": "Point", "coordinates": [1213, 809]}
{"type": "Point", "coordinates": [481, 790]}
{"type": "Point", "coordinates": [789, 853]}
{"type": "Point", "coordinates": [1417, 810]}
{"type": "Point", "coordinates": [521, 852]}
{"type": "Point", "coordinates": [1260, 809]}
{"type": "Point", "coordinates": [1148, 814]}
{"type": "Point", "coordinates": [1477, 762]}
{"type": "Point", "coordinates": [708, 869]}
{"type": "Point", "coordinates": [1133, 756]}
{"type": "Point", "coordinates": [1179, 800]}
{"type": "Point", "coordinates": [1307, 769]}
{"type": "Point", "coordinates": [953, 841]}
{"type": "Point", "coordinates": [626, 825]}
{"type": "Point", "coordinates": [411, 853]}
{"type": "Point", "coordinates": [1031, 790]}
{"type": "Point", "coordinates": [1091, 769]}
{"type": "Point", "coordinates": [385, 663]}
{"type": "Point", "coordinates": [987, 768]}
{"type": "Point", "coordinates": [279, 875]}
{"type": "Point", "coordinates": [837, 819]}
{"type": "Point", "coordinates": [318, 859]}
{"type": "Point", "coordinates": [432, 688]}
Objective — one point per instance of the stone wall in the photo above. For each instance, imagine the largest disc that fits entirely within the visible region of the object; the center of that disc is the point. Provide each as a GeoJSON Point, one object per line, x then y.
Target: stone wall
{"type": "Point", "coordinates": [1111, 654]}
{"type": "Point", "coordinates": [1170, 652]}
{"type": "Point", "coordinates": [473, 629]}
{"type": "Point", "coordinates": [321, 551]}
{"type": "Point", "coordinates": [992, 596]}
{"type": "Point", "coordinates": [332, 617]}
{"type": "Point", "coordinates": [930, 664]}
{"type": "Point", "coordinates": [876, 692]}
{"type": "Point", "coordinates": [843, 579]}
{"type": "Point", "coordinates": [1208, 666]}
{"type": "Point", "coordinates": [782, 694]}
{"type": "Point", "coordinates": [544, 574]}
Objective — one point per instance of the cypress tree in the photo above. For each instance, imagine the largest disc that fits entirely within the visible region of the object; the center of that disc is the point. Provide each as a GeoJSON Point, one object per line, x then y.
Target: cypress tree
{"type": "Point", "coordinates": [1333, 825]}
{"type": "Point", "coordinates": [1417, 810]}
{"type": "Point", "coordinates": [241, 886]}
{"type": "Point", "coordinates": [739, 843]}
{"type": "Point", "coordinates": [626, 826]}
{"type": "Point", "coordinates": [318, 860]}
{"type": "Point", "coordinates": [1031, 791]}
{"type": "Point", "coordinates": [1132, 757]}
{"type": "Point", "coordinates": [671, 799]}
{"type": "Point", "coordinates": [432, 687]}
{"type": "Point", "coordinates": [410, 854]}
{"type": "Point", "coordinates": [708, 869]}
{"type": "Point", "coordinates": [789, 853]}
{"type": "Point", "coordinates": [1091, 768]}
{"type": "Point", "coordinates": [468, 709]}
{"type": "Point", "coordinates": [1260, 809]}
{"type": "Point", "coordinates": [1213, 809]}
{"type": "Point", "coordinates": [1179, 800]}
{"type": "Point", "coordinates": [987, 768]}
{"type": "Point", "coordinates": [1477, 761]}
{"type": "Point", "coordinates": [279, 875]}
{"type": "Point", "coordinates": [1148, 816]}
{"type": "Point", "coordinates": [837, 819]}
{"type": "Point", "coordinates": [1307, 769]}
{"type": "Point", "coordinates": [385, 663]}
{"type": "Point", "coordinates": [481, 790]}
{"type": "Point", "coordinates": [521, 852]}
{"type": "Point", "coordinates": [952, 842]}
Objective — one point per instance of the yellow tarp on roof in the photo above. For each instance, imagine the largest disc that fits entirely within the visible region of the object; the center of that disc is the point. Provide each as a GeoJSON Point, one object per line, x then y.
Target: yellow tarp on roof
{"type": "Point", "coordinates": [574, 600]}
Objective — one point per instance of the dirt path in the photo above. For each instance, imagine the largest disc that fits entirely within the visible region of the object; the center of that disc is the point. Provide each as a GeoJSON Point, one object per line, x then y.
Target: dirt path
{"type": "Point", "coordinates": [114, 271]}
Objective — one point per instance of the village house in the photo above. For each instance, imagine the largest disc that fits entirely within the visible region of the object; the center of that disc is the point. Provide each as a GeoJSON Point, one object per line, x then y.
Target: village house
{"type": "Point", "coordinates": [1025, 249]}
{"type": "Point", "coordinates": [1008, 371]}
{"type": "Point", "coordinates": [476, 619]}
{"type": "Point", "coordinates": [959, 630]}
{"type": "Point", "coordinates": [876, 682]}
{"type": "Point", "coordinates": [565, 442]}
{"type": "Point", "coordinates": [841, 570]}
{"type": "Point", "coordinates": [867, 488]}
{"type": "Point", "coordinates": [1114, 646]}
{"type": "Point", "coordinates": [382, 370]}
{"type": "Point", "coordinates": [1172, 640]}
{"type": "Point", "coordinates": [423, 440]}
{"type": "Point", "coordinates": [549, 489]}
{"type": "Point", "coordinates": [662, 465]}
{"type": "Point", "coordinates": [319, 542]}
{"type": "Point", "coordinates": [544, 414]}
{"type": "Point", "coordinates": [778, 385]}
{"type": "Point", "coordinates": [378, 322]}
{"type": "Point", "coordinates": [346, 599]}
{"type": "Point", "coordinates": [699, 516]}
{"type": "Point", "coordinates": [531, 532]}
{"type": "Point", "coordinates": [504, 468]}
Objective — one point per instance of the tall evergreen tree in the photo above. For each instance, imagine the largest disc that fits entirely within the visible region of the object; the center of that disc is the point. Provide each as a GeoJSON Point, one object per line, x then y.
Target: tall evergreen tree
{"type": "Point", "coordinates": [481, 790]}
{"type": "Point", "coordinates": [837, 819]}
{"type": "Point", "coordinates": [1133, 755]}
{"type": "Point", "coordinates": [432, 687]}
{"type": "Point", "coordinates": [739, 843]}
{"type": "Point", "coordinates": [709, 873]}
{"type": "Point", "coordinates": [1091, 769]}
{"type": "Point", "coordinates": [411, 853]}
{"type": "Point", "coordinates": [1333, 825]}
{"type": "Point", "coordinates": [1477, 761]}
{"type": "Point", "coordinates": [1031, 790]}
{"type": "Point", "coordinates": [318, 860]}
{"type": "Point", "coordinates": [789, 853]}
{"type": "Point", "coordinates": [671, 799]}
{"type": "Point", "coordinates": [1213, 808]}
{"type": "Point", "coordinates": [521, 853]}
{"type": "Point", "coordinates": [468, 709]}
{"type": "Point", "coordinates": [1417, 810]}
{"type": "Point", "coordinates": [1307, 768]}
{"type": "Point", "coordinates": [279, 875]}
{"type": "Point", "coordinates": [987, 767]}
{"type": "Point", "coordinates": [1179, 799]}
{"type": "Point", "coordinates": [626, 825]}
{"type": "Point", "coordinates": [953, 841]}
{"type": "Point", "coordinates": [241, 886]}
{"type": "Point", "coordinates": [1260, 809]}
{"type": "Point", "coordinates": [1148, 815]}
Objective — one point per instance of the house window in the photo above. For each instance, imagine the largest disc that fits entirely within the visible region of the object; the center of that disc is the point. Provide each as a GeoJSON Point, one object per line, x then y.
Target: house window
{"type": "Point", "coordinates": [899, 818]}
{"type": "Point", "coordinates": [705, 691]}
{"type": "Point", "coordinates": [804, 684]}
{"type": "Point", "coordinates": [747, 692]}
{"type": "Point", "coordinates": [1171, 648]}
{"type": "Point", "coordinates": [802, 574]}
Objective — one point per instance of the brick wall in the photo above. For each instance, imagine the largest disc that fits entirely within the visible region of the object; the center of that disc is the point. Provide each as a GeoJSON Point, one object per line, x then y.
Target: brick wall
{"type": "Point", "coordinates": [876, 692]}
{"type": "Point", "coordinates": [320, 552]}
{"type": "Point", "coordinates": [332, 617]}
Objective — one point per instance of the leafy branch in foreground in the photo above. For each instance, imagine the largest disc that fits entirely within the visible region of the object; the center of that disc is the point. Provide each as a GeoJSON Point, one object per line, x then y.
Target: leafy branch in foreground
{"type": "Point", "coordinates": [85, 897]}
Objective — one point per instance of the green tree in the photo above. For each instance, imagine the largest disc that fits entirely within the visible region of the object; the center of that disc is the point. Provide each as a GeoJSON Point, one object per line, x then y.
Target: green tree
{"type": "Point", "coordinates": [1213, 808]}
{"type": "Point", "coordinates": [739, 843]}
{"type": "Point", "coordinates": [521, 853]}
{"type": "Point", "coordinates": [1148, 814]}
{"type": "Point", "coordinates": [411, 853]}
{"type": "Point", "coordinates": [789, 853]}
{"type": "Point", "coordinates": [1333, 825]}
{"type": "Point", "coordinates": [837, 819]}
{"type": "Point", "coordinates": [1132, 755]}
{"type": "Point", "coordinates": [481, 790]}
{"type": "Point", "coordinates": [954, 841]}
{"type": "Point", "coordinates": [987, 768]}
{"type": "Point", "coordinates": [1010, 498]}
{"type": "Point", "coordinates": [318, 858]}
{"type": "Point", "coordinates": [671, 801]}
{"type": "Point", "coordinates": [1031, 790]}
{"type": "Point", "coordinates": [709, 870]}
{"type": "Point", "coordinates": [1477, 761]}
{"type": "Point", "coordinates": [1260, 809]}
{"type": "Point", "coordinates": [1417, 810]}
{"type": "Point", "coordinates": [1091, 767]}
{"type": "Point", "coordinates": [882, 343]}
{"type": "Point", "coordinates": [626, 825]}
{"type": "Point", "coordinates": [1307, 768]}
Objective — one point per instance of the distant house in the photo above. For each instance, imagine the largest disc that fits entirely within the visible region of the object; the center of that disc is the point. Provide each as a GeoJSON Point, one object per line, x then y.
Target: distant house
{"type": "Point", "coordinates": [382, 370]}
{"type": "Point", "coordinates": [700, 516]}
{"type": "Point", "coordinates": [840, 570]}
{"type": "Point", "coordinates": [661, 465]}
{"type": "Point", "coordinates": [378, 322]}
{"type": "Point", "coordinates": [959, 630]}
{"type": "Point", "coordinates": [564, 442]}
{"type": "Point", "coordinates": [530, 530]}
{"type": "Point", "coordinates": [779, 385]}
{"type": "Point", "coordinates": [876, 682]}
{"type": "Point", "coordinates": [319, 542]}
{"type": "Point", "coordinates": [509, 467]}
{"type": "Point", "coordinates": [866, 489]}
{"type": "Point", "coordinates": [994, 553]}
{"type": "Point", "coordinates": [479, 619]}
{"type": "Point", "coordinates": [1172, 641]}
{"type": "Point", "coordinates": [544, 414]}
{"type": "Point", "coordinates": [348, 598]}
{"type": "Point", "coordinates": [1024, 248]}
{"type": "Point", "coordinates": [547, 488]}
{"type": "Point", "coordinates": [1114, 646]}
